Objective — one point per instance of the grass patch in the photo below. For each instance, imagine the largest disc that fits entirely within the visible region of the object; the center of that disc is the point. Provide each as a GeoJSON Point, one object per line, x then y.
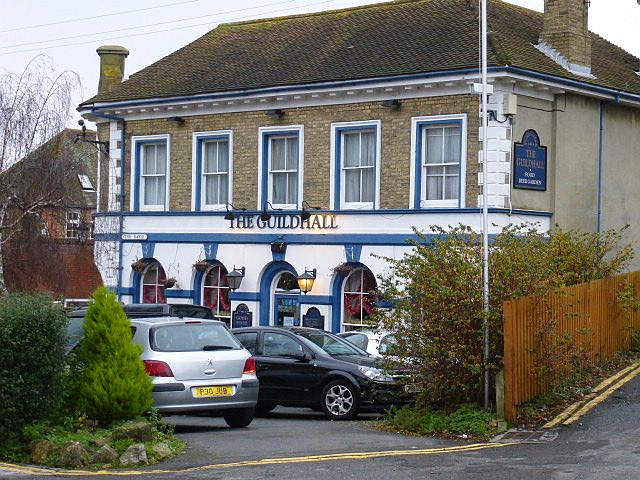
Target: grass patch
{"type": "Point", "coordinates": [467, 421]}
{"type": "Point", "coordinates": [543, 408]}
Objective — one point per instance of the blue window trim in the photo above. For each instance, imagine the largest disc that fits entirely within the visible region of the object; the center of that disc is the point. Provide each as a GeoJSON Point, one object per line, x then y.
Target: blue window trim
{"type": "Point", "coordinates": [337, 197]}
{"type": "Point", "coordinates": [264, 181]}
{"type": "Point", "coordinates": [336, 294]}
{"type": "Point", "coordinates": [200, 141]}
{"type": "Point", "coordinates": [268, 275]}
{"type": "Point", "coordinates": [417, 194]}
{"type": "Point", "coordinates": [138, 180]}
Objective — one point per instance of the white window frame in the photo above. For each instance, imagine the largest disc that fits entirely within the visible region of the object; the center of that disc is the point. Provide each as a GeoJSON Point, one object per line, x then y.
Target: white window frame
{"type": "Point", "coordinates": [75, 222]}
{"type": "Point", "coordinates": [275, 132]}
{"type": "Point", "coordinates": [198, 176]}
{"type": "Point", "coordinates": [344, 291]}
{"type": "Point", "coordinates": [417, 128]}
{"type": "Point", "coordinates": [336, 130]}
{"type": "Point", "coordinates": [137, 177]}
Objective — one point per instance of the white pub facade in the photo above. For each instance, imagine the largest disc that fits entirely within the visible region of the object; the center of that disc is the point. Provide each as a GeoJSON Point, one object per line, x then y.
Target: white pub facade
{"type": "Point", "coordinates": [276, 153]}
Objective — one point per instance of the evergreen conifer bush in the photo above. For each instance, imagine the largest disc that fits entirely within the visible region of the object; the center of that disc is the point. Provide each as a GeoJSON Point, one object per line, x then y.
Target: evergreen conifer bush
{"type": "Point", "coordinates": [114, 385]}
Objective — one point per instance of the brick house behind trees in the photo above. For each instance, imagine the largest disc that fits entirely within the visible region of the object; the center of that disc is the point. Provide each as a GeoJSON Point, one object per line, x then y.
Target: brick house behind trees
{"type": "Point", "coordinates": [50, 249]}
{"type": "Point", "coordinates": [328, 136]}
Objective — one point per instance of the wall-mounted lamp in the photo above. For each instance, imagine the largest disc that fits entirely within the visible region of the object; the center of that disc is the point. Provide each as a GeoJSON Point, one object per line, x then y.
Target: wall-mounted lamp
{"type": "Point", "coordinates": [305, 215]}
{"type": "Point", "coordinates": [234, 278]}
{"type": "Point", "coordinates": [178, 120]}
{"type": "Point", "coordinates": [393, 104]}
{"type": "Point", "coordinates": [305, 281]}
{"type": "Point", "coordinates": [265, 215]}
{"type": "Point", "coordinates": [230, 215]}
{"type": "Point", "coordinates": [276, 112]}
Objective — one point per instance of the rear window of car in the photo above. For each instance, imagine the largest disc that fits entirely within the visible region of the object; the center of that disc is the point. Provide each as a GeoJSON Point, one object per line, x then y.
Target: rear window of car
{"type": "Point", "coordinates": [192, 337]}
{"type": "Point", "coordinates": [360, 340]}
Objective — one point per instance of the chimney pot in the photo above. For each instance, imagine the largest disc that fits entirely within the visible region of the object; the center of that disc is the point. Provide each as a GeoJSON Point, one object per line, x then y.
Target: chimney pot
{"type": "Point", "coordinates": [111, 66]}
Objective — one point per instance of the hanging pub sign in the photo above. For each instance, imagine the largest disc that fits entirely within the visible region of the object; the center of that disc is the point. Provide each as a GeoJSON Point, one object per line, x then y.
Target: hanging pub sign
{"type": "Point", "coordinates": [241, 317]}
{"type": "Point", "coordinates": [313, 319]}
{"type": "Point", "coordinates": [530, 163]}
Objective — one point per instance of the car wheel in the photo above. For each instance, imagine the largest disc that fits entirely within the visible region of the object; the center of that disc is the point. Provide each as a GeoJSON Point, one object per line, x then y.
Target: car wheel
{"type": "Point", "coordinates": [239, 418]}
{"type": "Point", "coordinates": [339, 400]}
{"type": "Point", "coordinates": [264, 408]}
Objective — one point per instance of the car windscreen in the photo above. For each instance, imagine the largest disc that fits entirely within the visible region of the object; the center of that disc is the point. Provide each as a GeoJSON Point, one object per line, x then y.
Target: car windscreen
{"type": "Point", "coordinates": [331, 344]}
{"type": "Point", "coordinates": [192, 337]}
{"type": "Point", "coordinates": [75, 331]}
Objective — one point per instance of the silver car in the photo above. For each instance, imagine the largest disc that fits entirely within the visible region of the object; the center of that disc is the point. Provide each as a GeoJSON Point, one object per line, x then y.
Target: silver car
{"type": "Point", "coordinates": [198, 365]}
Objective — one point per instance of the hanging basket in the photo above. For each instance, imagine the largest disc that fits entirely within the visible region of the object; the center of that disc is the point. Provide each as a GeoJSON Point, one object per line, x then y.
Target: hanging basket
{"type": "Point", "coordinates": [202, 265]}
{"type": "Point", "coordinates": [343, 269]}
{"type": "Point", "coordinates": [139, 266]}
{"type": "Point", "coordinates": [170, 282]}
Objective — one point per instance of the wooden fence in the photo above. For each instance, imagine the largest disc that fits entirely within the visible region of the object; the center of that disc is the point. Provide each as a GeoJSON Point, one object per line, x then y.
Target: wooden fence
{"type": "Point", "coordinates": [545, 336]}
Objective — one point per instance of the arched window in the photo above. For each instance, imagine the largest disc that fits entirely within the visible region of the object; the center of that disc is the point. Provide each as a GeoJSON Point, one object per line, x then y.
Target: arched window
{"type": "Point", "coordinates": [153, 282]}
{"type": "Point", "coordinates": [215, 291]}
{"type": "Point", "coordinates": [358, 299]}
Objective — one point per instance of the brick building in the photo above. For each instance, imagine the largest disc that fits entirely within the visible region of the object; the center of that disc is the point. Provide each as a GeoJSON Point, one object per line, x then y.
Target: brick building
{"type": "Point", "coordinates": [318, 141]}
{"type": "Point", "coordinates": [50, 249]}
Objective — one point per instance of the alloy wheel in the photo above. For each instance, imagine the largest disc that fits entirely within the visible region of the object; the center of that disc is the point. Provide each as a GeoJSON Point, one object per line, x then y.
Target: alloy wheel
{"type": "Point", "coordinates": [339, 400]}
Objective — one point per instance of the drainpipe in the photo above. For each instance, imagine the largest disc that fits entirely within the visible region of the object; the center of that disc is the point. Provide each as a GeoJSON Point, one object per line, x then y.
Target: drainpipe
{"type": "Point", "coordinates": [601, 162]}
{"type": "Point", "coordinates": [123, 167]}
{"type": "Point", "coordinates": [603, 105]}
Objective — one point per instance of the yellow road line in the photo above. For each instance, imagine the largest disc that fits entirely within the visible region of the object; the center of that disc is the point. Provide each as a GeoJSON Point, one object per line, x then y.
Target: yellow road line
{"type": "Point", "coordinates": [621, 373]}
{"type": "Point", "coordinates": [253, 463]}
{"type": "Point", "coordinates": [567, 412]}
{"type": "Point", "coordinates": [602, 397]}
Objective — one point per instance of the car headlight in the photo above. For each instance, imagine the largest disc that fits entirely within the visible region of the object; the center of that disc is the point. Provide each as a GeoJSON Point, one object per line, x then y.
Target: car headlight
{"type": "Point", "coordinates": [376, 374]}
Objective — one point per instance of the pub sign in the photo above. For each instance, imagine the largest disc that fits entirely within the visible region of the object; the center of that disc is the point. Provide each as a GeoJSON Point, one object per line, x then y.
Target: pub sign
{"type": "Point", "coordinates": [530, 163]}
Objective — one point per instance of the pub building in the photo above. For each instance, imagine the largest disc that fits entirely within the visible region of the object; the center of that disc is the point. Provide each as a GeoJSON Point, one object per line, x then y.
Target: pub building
{"type": "Point", "coordinates": [267, 168]}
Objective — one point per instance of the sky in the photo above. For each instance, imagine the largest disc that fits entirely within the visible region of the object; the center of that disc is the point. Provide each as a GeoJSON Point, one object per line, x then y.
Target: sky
{"type": "Point", "coordinates": [69, 31]}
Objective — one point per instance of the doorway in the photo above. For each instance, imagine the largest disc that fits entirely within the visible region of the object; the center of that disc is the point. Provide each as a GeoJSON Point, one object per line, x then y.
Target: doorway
{"type": "Point", "coordinates": [286, 301]}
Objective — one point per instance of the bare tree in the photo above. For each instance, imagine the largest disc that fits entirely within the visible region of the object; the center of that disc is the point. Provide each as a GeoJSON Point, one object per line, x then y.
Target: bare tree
{"type": "Point", "coordinates": [34, 107]}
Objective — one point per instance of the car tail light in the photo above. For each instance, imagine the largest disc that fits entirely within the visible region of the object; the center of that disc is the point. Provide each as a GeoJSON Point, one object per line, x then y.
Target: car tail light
{"type": "Point", "coordinates": [156, 368]}
{"type": "Point", "coordinates": [250, 365]}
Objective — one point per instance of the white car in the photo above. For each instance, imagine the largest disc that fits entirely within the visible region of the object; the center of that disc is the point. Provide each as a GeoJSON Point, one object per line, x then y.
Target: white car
{"type": "Point", "coordinates": [377, 343]}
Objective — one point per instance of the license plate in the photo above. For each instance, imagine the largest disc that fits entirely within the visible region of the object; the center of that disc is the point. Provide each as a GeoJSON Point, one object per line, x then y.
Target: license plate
{"type": "Point", "coordinates": [213, 391]}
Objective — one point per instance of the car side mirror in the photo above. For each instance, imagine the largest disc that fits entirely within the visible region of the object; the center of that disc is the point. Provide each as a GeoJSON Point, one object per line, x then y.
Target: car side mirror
{"type": "Point", "coordinates": [300, 356]}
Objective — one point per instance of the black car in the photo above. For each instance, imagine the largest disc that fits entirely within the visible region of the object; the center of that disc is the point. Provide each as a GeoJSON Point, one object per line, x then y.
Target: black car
{"type": "Point", "coordinates": [306, 367]}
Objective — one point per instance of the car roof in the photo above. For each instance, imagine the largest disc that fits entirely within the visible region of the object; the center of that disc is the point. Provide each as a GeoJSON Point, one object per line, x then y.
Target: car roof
{"type": "Point", "coordinates": [262, 328]}
{"type": "Point", "coordinates": [164, 320]}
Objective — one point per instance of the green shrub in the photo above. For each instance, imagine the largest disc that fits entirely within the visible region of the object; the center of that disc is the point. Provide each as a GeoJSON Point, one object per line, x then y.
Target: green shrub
{"type": "Point", "coordinates": [635, 341]}
{"type": "Point", "coordinates": [437, 292]}
{"type": "Point", "coordinates": [32, 338]}
{"type": "Point", "coordinates": [468, 419]}
{"type": "Point", "coordinates": [114, 384]}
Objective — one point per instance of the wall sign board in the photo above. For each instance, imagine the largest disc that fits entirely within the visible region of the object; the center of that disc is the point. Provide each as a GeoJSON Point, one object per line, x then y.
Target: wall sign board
{"type": "Point", "coordinates": [242, 317]}
{"type": "Point", "coordinates": [530, 163]}
{"type": "Point", "coordinates": [313, 319]}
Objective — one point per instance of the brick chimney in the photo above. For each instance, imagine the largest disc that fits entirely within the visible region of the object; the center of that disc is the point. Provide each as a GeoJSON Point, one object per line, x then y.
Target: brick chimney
{"type": "Point", "coordinates": [566, 32]}
{"type": "Point", "coordinates": [111, 66]}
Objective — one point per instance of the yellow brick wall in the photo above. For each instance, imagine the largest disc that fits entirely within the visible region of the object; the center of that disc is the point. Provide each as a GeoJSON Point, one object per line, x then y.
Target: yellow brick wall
{"type": "Point", "coordinates": [395, 154]}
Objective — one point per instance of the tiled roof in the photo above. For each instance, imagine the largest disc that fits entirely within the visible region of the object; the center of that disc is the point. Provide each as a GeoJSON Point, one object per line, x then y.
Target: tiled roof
{"type": "Point", "coordinates": [388, 39]}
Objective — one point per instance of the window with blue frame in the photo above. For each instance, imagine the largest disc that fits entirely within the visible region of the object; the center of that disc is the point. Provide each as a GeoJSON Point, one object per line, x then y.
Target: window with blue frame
{"type": "Point", "coordinates": [357, 165]}
{"type": "Point", "coordinates": [439, 162]}
{"type": "Point", "coordinates": [213, 171]}
{"type": "Point", "coordinates": [283, 170]}
{"type": "Point", "coordinates": [281, 167]}
{"type": "Point", "coordinates": [153, 175]}
{"type": "Point", "coordinates": [150, 179]}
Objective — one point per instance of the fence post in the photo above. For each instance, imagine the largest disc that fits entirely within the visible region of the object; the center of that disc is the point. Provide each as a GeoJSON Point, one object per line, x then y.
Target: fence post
{"type": "Point", "coordinates": [502, 424]}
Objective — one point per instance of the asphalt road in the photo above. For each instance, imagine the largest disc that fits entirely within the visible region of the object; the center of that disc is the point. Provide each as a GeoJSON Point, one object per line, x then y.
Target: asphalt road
{"type": "Point", "coordinates": [605, 444]}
